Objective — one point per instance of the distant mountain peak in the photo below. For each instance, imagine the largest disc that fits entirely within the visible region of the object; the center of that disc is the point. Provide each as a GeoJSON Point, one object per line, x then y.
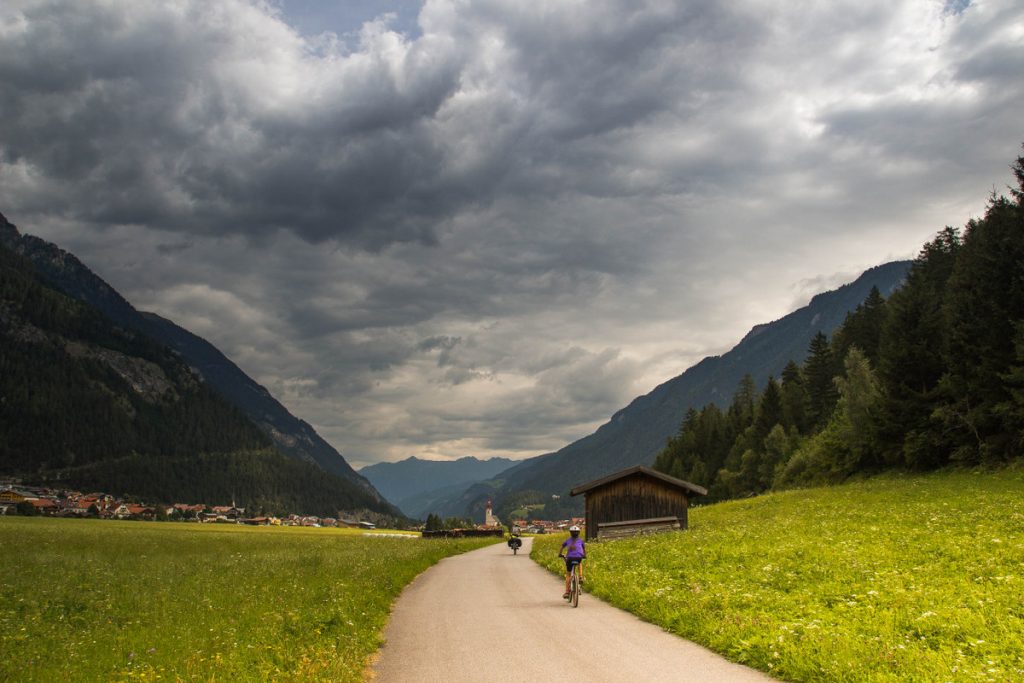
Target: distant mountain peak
{"type": "Point", "coordinates": [414, 484]}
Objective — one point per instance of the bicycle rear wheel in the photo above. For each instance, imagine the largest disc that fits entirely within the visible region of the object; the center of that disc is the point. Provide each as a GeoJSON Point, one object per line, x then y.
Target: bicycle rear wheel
{"type": "Point", "coordinates": [574, 590]}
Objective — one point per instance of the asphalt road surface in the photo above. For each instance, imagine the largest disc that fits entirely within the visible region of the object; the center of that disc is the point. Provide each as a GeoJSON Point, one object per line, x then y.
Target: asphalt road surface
{"type": "Point", "coordinates": [489, 615]}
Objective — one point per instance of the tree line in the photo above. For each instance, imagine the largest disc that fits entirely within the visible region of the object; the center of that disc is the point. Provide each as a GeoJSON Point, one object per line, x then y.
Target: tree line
{"type": "Point", "coordinates": [437, 523]}
{"type": "Point", "coordinates": [930, 377]}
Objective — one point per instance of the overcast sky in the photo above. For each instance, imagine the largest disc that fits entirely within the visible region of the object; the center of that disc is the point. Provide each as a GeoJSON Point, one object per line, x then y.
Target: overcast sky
{"type": "Point", "coordinates": [479, 228]}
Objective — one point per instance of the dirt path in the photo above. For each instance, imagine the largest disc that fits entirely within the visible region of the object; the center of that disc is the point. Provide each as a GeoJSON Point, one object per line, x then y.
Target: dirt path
{"type": "Point", "coordinates": [491, 616]}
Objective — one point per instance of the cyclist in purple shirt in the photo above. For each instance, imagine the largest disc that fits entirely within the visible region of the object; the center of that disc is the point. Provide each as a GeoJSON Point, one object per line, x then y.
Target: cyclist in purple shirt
{"type": "Point", "coordinates": [577, 552]}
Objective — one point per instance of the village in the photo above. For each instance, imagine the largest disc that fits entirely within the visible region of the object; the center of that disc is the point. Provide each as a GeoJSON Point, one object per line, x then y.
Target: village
{"type": "Point", "coordinates": [33, 500]}
{"type": "Point", "coordinates": [17, 499]}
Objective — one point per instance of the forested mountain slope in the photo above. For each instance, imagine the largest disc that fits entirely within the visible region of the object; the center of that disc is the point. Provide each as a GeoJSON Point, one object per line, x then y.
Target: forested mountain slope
{"type": "Point", "coordinates": [635, 434]}
{"type": "Point", "coordinates": [931, 376]}
{"type": "Point", "coordinates": [92, 402]}
{"type": "Point", "coordinates": [288, 433]}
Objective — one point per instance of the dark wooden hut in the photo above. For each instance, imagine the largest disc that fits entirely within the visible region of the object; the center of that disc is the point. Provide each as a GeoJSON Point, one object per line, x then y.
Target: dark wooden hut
{"type": "Point", "coordinates": [636, 500]}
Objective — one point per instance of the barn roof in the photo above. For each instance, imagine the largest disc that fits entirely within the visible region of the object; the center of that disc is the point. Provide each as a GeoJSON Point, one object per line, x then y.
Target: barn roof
{"type": "Point", "coordinates": [640, 469]}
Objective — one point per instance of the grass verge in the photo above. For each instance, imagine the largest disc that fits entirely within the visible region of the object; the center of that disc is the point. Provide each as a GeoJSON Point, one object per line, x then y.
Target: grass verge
{"type": "Point", "coordinates": [102, 600]}
{"type": "Point", "coordinates": [897, 578]}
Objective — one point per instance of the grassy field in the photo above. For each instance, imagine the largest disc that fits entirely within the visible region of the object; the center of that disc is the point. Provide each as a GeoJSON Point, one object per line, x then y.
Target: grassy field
{"type": "Point", "coordinates": [897, 578]}
{"type": "Point", "coordinates": [89, 600]}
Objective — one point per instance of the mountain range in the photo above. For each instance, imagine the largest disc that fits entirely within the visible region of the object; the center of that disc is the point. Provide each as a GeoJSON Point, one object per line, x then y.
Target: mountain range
{"type": "Point", "coordinates": [55, 269]}
{"type": "Point", "coordinates": [635, 434]}
{"type": "Point", "coordinates": [416, 486]}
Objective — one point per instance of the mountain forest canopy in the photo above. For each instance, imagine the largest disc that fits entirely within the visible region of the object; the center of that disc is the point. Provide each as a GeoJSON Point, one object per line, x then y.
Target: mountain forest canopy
{"type": "Point", "coordinates": [91, 404]}
{"type": "Point", "coordinates": [930, 377]}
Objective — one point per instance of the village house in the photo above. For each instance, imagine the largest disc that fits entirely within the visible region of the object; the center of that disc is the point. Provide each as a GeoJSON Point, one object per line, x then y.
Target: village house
{"type": "Point", "coordinates": [541, 526]}
{"type": "Point", "coordinates": [134, 511]}
{"type": "Point", "coordinates": [14, 495]}
{"type": "Point", "coordinates": [187, 512]}
{"type": "Point", "coordinates": [42, 500]}
{"type": "Point", "coordinates": [257, 521]}
{"type": "Point", "coordinates": [44, 506]}
{"type": "Point", "coordinates": [230, 512]}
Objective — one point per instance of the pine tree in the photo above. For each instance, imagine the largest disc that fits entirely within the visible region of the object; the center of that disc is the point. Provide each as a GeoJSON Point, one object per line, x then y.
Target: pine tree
{"type": "Point", "coordinates": [741, 419]}
{"type": "Point", "coordinates": [984, 304]}
{"type": "Point", "coordinates": [769, 409]}
{"type": "Point", "coordinates": [912, 358]}
{"type": "Point", "coordinates": [794, 398]}
{"type": "Point", "coordinates": [1012, 410]}
{"type": "Point", "coordinates": [819, 371]}
{"type": "Point", "coordinates": [862, 328]}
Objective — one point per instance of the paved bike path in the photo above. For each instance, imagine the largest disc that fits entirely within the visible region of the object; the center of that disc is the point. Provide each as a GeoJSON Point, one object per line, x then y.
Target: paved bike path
{"type": "Point", "coordinates": [489, 615]}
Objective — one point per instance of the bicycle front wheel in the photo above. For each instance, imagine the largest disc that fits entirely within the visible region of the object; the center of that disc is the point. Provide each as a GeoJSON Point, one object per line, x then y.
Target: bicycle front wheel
{"type": "Point", "coordinates": [574, 591]}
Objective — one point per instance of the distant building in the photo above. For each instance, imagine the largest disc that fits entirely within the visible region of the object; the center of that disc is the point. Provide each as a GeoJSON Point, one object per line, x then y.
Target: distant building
{"type": "Point", "coordinates": [44, 506]}
{"type": "Point", "coordinates": [634, 501]}
{"type": "Point", "coordinates": [490, 521]}
{"type": "Point", "coordinates": [13, 495]}
{"type": "Point", "coordinates": [230, 512]}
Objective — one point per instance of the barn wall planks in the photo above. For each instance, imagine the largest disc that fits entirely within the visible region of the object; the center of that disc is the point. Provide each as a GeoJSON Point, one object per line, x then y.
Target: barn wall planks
{"type": "Point", "coordinates": [612, 530]}
{"type": "Point", "coordinates": [633, 498]}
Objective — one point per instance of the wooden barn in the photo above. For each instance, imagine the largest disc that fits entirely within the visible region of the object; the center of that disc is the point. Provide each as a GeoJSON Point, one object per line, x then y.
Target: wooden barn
{"type": "Point", "coordinates": [636, 500]}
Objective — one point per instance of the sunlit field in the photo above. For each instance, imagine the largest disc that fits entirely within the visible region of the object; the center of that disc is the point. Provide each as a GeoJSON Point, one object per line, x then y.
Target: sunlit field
{"type": "Point", "coordinates": [90, 600]}
{"type": "Point", "coordinates": [897, 578]}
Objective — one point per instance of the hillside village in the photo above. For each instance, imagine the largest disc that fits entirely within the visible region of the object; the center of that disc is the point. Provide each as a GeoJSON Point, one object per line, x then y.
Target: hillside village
{"type": "Point", "coordinates": [34, 500]}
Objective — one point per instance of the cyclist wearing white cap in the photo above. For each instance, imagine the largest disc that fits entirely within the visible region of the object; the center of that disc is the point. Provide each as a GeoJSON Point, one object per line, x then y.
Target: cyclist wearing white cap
{"type": "Point", "coordinates": [576, 553]}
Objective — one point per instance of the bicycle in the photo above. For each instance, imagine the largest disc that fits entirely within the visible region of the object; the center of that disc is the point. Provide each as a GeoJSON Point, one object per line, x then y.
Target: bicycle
{"type": "Point", "coordinates": [574, 586]}
{"type": "Point", "coordinates": [515, 543]}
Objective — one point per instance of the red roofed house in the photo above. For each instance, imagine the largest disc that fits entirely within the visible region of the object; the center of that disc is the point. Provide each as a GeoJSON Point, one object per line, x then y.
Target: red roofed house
{"type": "Point", "coordinates": [44, 506]}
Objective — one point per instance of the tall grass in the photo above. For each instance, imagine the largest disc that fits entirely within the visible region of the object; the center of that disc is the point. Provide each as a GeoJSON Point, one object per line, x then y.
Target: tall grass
{"type": "Point", "coordinates": [88, 600]}
{"type": "Point", "coordinates": [897, 578]}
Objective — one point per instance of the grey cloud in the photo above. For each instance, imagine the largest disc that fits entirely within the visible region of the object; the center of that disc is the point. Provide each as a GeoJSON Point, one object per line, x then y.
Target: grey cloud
{"type": "Point", "coordinates": [164, 118]}
{"type": "Point", "coordinates": [166, 248]}
{"type": "Point", "coordinates": [168, 119]}
{"type": "Point", "coordinates": [487, 237]}
{"type": "Point", "coordinates": [446, 346]}
{"type": "Point", "coordinates": [443, 343]}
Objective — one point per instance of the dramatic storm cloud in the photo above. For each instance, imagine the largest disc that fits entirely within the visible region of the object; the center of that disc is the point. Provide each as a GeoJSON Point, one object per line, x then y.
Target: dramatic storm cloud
{"type": "Point", "coordinates": [479, 228]}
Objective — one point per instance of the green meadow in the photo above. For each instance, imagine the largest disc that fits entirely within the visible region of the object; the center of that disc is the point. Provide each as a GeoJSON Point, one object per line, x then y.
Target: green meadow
{"type": "Point", "coordinates": [90, 600]}
{"type": "Point", "coordinates": [896, 578]}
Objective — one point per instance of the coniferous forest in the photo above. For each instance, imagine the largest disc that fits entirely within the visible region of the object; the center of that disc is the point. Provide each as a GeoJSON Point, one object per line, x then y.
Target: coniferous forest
{"type": "Point", "coordinates": [931, 377]}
